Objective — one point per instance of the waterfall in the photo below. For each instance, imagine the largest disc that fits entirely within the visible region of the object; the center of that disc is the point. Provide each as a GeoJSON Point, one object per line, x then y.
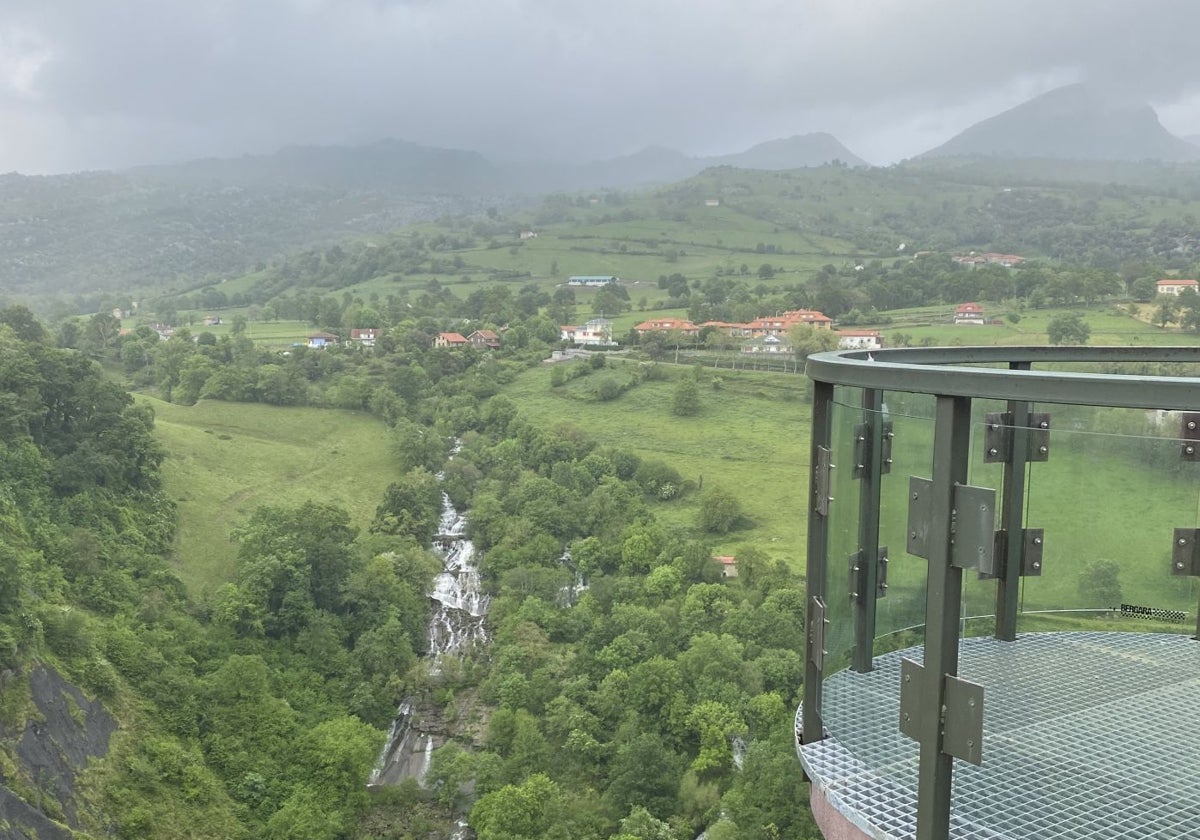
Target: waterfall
{"type": "Point", "coordinates": [456, 626]}
{"type": "Point", "coordinates": [457, 623]}
{"type": "Point", "coordinates": [738, 746]}
{"type": "Point", "coordinates": [568, 595]}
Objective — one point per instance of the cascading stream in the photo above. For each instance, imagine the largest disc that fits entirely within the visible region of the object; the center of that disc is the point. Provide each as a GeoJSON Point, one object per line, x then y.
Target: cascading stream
{"type": "Point", "coordinates": [456, 626]}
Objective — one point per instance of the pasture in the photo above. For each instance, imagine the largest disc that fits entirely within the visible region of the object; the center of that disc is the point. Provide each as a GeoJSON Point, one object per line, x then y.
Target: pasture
{"type": "Point", "coordinates": [226, 459]}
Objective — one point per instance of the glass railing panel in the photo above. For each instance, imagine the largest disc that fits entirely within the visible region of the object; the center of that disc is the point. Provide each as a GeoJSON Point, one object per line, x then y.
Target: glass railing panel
{"type": "Point", "coordinates": [900, 614]}
{"type": "Point", "coordinates": [860, 705]}
{"type": "Point", "coordinates": [843, 530]}
{"type": "Point", "coordinates": [1110, 496]}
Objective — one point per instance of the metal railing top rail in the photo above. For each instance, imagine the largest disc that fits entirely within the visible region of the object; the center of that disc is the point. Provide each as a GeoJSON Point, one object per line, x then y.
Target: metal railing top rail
{"type": "Point", "coordinates": [947, 371]}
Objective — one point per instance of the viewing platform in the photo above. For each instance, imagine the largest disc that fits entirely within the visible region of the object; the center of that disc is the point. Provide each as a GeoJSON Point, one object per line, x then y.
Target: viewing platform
{"type": "Point", "coordinates": [1003, 564]}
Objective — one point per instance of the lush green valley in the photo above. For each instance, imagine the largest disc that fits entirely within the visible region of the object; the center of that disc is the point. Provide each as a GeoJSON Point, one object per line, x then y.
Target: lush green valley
{"type": "Point", "coordinates": [229, 569]}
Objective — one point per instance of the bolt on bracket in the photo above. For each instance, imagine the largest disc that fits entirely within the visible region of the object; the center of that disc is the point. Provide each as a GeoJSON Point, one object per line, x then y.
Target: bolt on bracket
{"type": "Point", "coordinates": [1034, 540]}
{"type": "Point", "coordinates": [816, 631]}
{"type": "Point", "coordinates": [858, 575]}
{"type": "Point", "coordinates": [961, 716]}
{"type": "Point", "coordinates": [998, 437]}
{"type": "Point", "coordinates": [862, 449]}
{"type": "Point", "coordinates": [972, 522]}
{"type": "Point", "coordinates": [1185, 552]}
{"type": "Point", "coordinates": [1189, 437]}
{"type": "Point", "coordinates": [821, 481]}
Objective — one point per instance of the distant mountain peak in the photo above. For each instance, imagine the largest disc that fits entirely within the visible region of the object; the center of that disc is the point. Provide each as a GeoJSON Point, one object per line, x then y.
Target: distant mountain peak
{"type": "Point", "coordinates": [795, 152]}
{"type": "Point", "coordinates": [1075, 122]}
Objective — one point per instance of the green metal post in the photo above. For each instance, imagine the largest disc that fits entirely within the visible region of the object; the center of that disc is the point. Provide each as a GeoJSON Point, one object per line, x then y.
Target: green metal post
{"type": "Point", "coordinates": [864, 602]}
{"type": "Point", "coordinates": [818, 562]}
{"type": "Point", "coordinates": [943, 601]}
{"type": "Point", "coordinates": [1008, 587]}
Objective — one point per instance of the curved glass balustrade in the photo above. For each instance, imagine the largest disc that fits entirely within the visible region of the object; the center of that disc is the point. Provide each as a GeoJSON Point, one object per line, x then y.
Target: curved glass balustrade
{"type": "Point", "coordinates": [1021, 526]}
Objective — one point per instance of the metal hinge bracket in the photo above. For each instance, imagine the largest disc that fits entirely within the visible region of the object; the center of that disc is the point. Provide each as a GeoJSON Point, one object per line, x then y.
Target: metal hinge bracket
{"type": "Point", "coordinates": [961, 717]}
{"type": "Point", "coordinates": [972, 522]}
{"type": "Point", "coordinates": [862, 449]}
{"type": "Point", "coordinates": [816, 631]}
{"type": "Point", "coordinates": [821, 481]}
{"type": "Point", "coordinates": [1185, 552]}
{"type": "Point", "coordinates": [998, 437]}
{"type": "Point", "coordinates": [1031, 556]}
{"type": "Point", "coordinates": [858, 575]}
{"type": "Point", "coordinates": [1189, 448]}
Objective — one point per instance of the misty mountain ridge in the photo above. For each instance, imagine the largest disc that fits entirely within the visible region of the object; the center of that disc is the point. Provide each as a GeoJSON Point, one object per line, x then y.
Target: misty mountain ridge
{"type": "Point", "coordinates": [1076, 122]}
{"type": "Point", "coordinates": [401, 165]}
{"type": "Point", "coordinates": [384, 165]}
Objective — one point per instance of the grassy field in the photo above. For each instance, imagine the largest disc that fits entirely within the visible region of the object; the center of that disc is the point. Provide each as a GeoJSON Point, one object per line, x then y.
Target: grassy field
{"type": "Point", "coordinates": [751, 437]}
{"type": "Point", "coordinates": [226, 459]}
{"type": "Point", "coordinates": [1110, 325]}
{"type": "Point", "coordinates": [1096, 498]}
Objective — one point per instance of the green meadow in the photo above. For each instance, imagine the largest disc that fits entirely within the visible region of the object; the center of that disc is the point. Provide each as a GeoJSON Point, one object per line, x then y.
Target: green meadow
{"type": "Point", "coordinates": [1110, 325]}
{"type": "Point", "coordinates": [1112, 490]}
{"type": "Point", "coordinates": [751, 437]}
{"type": "Point", "coordinates": [226, 459]}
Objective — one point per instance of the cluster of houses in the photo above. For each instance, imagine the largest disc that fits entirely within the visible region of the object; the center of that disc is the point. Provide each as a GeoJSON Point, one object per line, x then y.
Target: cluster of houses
{"type": "Point", "coordinates": [480, 339]}
{"type": "Point", "coordinates": [359, 338]}
{"type": "Point", "coordinates": [768, 334]}
{"type": "Point", "coordinates": [973, 259]}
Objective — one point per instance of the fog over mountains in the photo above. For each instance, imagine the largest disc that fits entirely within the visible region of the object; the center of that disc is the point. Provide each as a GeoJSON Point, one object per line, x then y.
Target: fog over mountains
{"type": "Point", "coordinates": [1076, 122]}
{"type": "Point", "coordinates": [399, 164]}
{"type": "Point", "coordinates": [217, 217]}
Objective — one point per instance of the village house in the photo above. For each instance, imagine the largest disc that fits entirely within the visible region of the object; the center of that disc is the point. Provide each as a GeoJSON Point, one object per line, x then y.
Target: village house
{"type": "Point", "coordinates": [528, 234]}
{"type": "Point", "coordinates": [768, 344]}
{"type": "Point", "coordinates": [782, 322]}
{"type": "Point", "coordinates": [595, 333]}
{"type": "Point", "coordinates": [451, 339]}
{"type": "Point", "coordinates": [364, 337]}
{"type": "Point", "coordinates": [968, 313]}
{"type": "Point", "coordinates": [593, 280]}
{"type": "Point", "coordinates": [973, 259]}
{"type": "Point", "coordinates": [1171, 286]}
{"type": "Point", "coordinates": [321, 340]}
{"type": "Point", "coordinates": [667, 325]}
{"type": "Point", "coordinates": [726, 328]}
{"type": "Point", "coordinates": [859, 340]}
{"type": "Point", "coordinates": [728, 564]}
{"type": "Point", "coordinates": [484, 339]}
{"type": "Point", "coordinates": [212, 320]}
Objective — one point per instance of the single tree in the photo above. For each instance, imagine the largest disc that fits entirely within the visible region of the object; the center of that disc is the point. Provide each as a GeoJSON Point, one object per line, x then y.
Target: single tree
{"type": "Point", "coordinates": [686, 400]}
{"type": "Point", "coordinates": [719, 511]}
{"type": "Point", "coordinates": [1068, 329]}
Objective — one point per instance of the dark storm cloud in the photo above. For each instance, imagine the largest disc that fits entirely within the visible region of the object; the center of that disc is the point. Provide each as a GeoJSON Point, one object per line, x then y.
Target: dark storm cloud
{"type": "Point", "coordinates": [115, 83]}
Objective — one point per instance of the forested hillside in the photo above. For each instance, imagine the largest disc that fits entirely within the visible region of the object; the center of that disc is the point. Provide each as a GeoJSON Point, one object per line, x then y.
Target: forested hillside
{"type": "Point", "coordinates": [629, 690]}
{"type": "Point", "coordinates": [731, 245]}
{"type": "Point", "coordinates": [658, 699]}
{"type": "Point", "coordinates": [87, 242]}
{"type": "Point", "coordinates": [243, 717]}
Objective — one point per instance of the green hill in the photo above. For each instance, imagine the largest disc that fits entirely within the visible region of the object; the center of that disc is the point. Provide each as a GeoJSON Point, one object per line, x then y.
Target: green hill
{"type": "Point", "coordinates": [224, 460]}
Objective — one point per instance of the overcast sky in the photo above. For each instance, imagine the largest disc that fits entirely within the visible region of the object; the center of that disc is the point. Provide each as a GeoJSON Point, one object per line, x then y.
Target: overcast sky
{"type": "Point", "coordinates": [88, 84]}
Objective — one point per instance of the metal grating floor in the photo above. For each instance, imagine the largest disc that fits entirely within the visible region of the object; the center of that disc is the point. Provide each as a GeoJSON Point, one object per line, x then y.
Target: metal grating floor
{"type": "Point", "coordinates": [1087, 736]}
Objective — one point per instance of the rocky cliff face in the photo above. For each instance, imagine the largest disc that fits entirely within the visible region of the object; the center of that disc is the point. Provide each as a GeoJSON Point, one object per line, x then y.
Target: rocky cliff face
{"type": "Point", "coordinates": [45, 755]}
